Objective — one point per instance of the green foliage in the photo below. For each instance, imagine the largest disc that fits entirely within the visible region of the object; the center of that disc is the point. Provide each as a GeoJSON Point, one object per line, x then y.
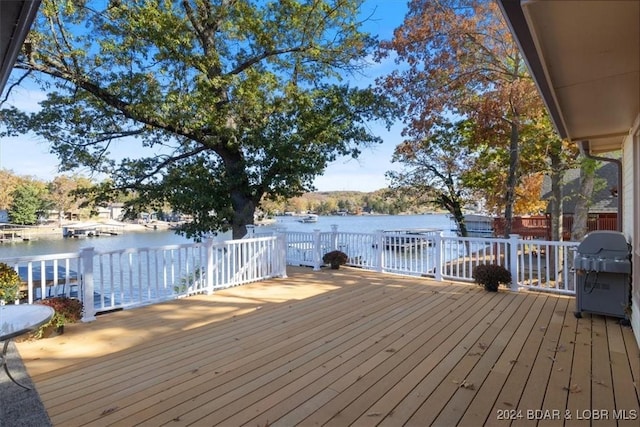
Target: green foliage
{"type": "Point", "coordinates": [232, 101]}
{"type": "Point", "coordinates": [28, 201]}
{"type": "Point", "coordinates": [435, 168]}
{"type": "Point", "coordinates": [9, 284]}
{"type": "Point", "coordinates": [384, 201]}
{"type": "Point", "coordinates": [491, 276]}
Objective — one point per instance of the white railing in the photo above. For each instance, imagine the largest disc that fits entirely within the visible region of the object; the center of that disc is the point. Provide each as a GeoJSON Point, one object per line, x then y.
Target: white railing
{"type": "Point", "coordinates": [125, 278]}
{"type": "Point", "coordinates": [534, 264]}
{"type": "Point", "coordinates": [547, 266]}
{"type": "Point", "coordinates": [112, 280]}
{"type": "Point", "coordinates": [47, 275]}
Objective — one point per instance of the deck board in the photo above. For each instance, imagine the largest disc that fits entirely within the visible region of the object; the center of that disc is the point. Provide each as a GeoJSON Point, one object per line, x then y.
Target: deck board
{"type": "Point", "coordinates": [486, 354]}
{"type": "Point", "coordinates": [538, 381]}
{"type": "Point", "coordinates": [560, 376]}
{"type": "Point", "coordinates": [601, 380]}
{"type": "Point", "coordinates": [481, 408]}
{"type": "Point", "coordinates": [579, 393]}
{"type": "Point", "coordinates": [510, 397]}
{"type": "Point", "coordinates": [418, 354]}
{"type": "Point", "coordinates": [338, 348]}
{"type": "Point", "coordinates": [621, 373]}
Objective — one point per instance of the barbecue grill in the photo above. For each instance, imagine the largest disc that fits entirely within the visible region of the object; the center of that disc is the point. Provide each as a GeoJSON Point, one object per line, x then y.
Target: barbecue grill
{"type": "Point", "coordinates": [603, 274]}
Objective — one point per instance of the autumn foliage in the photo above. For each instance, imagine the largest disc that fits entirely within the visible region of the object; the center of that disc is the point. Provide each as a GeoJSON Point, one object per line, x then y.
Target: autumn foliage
{"type": "Point", "coordinates": [456, 58]}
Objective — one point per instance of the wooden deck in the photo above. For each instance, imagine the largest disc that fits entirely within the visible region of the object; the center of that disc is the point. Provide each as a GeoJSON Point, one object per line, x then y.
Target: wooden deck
{"type": "Point", "coordinates": [340, 348]}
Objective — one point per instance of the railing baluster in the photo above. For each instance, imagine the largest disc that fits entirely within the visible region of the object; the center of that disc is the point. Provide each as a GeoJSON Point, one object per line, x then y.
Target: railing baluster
{"type": "Point", "coordinates": [132, 277]}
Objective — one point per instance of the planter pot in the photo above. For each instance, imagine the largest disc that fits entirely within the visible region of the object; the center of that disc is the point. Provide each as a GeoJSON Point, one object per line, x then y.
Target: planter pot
{"type": "Point", "coordinates": [52, 331]}
{"type": "Point", "coordinates": [335, 266]}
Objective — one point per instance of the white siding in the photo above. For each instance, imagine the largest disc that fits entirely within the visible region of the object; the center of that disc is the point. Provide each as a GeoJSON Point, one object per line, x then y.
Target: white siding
{"type": "Point", "coordinates": [631, 215]}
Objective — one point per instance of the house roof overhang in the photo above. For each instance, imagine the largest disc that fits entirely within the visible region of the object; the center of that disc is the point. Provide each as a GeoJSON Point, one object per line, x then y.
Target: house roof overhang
{"type": "Point", "coordinates": [585, 59]}
{"type": "Point", "coordinates": [16, 17]}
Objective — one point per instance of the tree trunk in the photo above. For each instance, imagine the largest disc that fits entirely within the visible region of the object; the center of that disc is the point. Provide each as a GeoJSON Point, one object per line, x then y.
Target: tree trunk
{"type": "Point", "coordinates": [581, 214]}
{"type": "Point", "coordinates": [243, 202]}
{"type": "Point", "coordinates": [556, 200]}
{"type": "Point", "coordinates": [557, 175]}
{"type": "Point", "coordinates": [454, 207]}
{"type": "Point", "coordinates": [243, 210]}
{"type": "Point", "coordinates": [512, 180]}
{"type": "Point", "coordinates": [458, 217]}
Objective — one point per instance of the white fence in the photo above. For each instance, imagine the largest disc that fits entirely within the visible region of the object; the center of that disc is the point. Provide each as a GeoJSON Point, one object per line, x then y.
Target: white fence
{"type": "Point", "coordinates": [106, 281]}
{"type": "Point", "coordinates": [534, 264]}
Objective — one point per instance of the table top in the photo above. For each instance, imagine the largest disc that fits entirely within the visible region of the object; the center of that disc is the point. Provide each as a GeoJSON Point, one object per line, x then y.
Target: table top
{"type": "Point", "coordinates": [16, 320]}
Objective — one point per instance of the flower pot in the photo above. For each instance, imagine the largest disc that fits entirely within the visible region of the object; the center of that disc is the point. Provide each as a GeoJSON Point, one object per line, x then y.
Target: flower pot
{"type": "Point", "coordinates": [51, 331]}
{"type": "Point", "coordinates": [491, 287]}
{"type": "Point", "coordinates": [335, 265]}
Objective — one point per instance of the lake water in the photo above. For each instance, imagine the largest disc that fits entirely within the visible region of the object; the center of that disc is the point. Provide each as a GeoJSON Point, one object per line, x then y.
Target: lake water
{"type": "Point", "coordinates": [365, 223]}
{"type": "Point", "coordinates": [356, 224]}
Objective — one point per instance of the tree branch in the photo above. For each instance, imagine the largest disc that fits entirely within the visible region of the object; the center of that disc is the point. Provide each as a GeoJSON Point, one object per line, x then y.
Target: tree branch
{"type": "Point", "coordinates": [252, 61]}
{"type": "Point", "coordinates": [14, 85]}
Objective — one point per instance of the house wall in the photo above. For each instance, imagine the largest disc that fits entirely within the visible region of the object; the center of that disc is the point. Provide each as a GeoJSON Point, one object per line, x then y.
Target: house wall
{"type": "Point", "coordinates": [631, 216]}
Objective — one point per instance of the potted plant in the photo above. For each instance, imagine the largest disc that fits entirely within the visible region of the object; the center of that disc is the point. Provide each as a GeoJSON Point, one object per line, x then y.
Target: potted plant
{"type": "Point", "coordinates": [335, 259]}
{"type": "Point", "coordinates": [67, 310]}
{"type": "Point", "coordinates": [491, 276]}
{"type": "Point", "coordinates": [9, 284]}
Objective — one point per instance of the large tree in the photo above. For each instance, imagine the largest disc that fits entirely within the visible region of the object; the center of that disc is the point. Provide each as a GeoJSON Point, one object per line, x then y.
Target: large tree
{"type": "Point", "coordinates": [458, 59]}
{"type": "Point", "coordinates": [64, 194]}
{"type": "Point", "coordinates": [233, 99]}
{"type": "Point", "coordinates": [29, 201]}
{"type": "Point", "coordinates": [9, 182]}
{"type": "Point", "coordinates": [435, 169]}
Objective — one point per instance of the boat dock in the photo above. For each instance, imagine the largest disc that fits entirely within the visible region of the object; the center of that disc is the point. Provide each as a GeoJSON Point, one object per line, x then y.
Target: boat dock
{"type": "Point", "coordinates": [409, 239]}
{"type": "Point", "coordinates": [14, 233]}
{"type": "Point", "coordinates": [91, 230]}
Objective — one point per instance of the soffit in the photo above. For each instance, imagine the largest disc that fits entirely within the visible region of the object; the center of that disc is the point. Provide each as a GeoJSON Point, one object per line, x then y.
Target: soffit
{"type": "Point", "coordinates": [585, 57]}
{"type": "Point", "coordinates": [16, 17]}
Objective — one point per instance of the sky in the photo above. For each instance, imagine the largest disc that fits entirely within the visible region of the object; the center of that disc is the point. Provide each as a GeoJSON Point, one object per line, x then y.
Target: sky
{"type": "Point", "coordinates": [28, 155]}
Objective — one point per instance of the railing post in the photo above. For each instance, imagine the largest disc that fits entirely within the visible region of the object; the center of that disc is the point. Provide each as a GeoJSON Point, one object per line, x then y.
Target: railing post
{"type": "Point", "coordinates": [87, 286]}
{"type": "Point", "coordinates": [438, 247]}
{"type": "Point", "coordinates": [281, 254]}
{"type": "Point", "coordinates": [317, 250]}
{"type": "Point", "coordinates": [334, 237]}
{"type": "Point", "coordinates": [379, 253]}
{"type": "Point", "coordinates": [513, 261]}
{"type": "Point", "coordinates": [208, 244]}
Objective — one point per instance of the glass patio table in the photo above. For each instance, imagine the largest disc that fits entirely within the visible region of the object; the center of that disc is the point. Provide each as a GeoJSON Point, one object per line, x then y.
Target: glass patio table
{"type": "Point", "coordinates": [17, 320]}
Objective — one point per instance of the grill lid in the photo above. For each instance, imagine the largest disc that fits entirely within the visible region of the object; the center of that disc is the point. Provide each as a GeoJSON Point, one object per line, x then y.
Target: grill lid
{"type": "Point", "coordinates": [606, 251]}
{"type": "Point", "coordinates": [605, 244]}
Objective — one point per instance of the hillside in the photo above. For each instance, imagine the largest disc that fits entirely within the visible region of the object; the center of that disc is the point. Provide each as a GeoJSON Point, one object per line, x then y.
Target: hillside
{"type": "Point", "coordinates": [352, 202]}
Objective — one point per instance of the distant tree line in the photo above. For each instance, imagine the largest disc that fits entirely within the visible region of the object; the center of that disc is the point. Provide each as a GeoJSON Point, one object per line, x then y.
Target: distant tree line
{"type": "Point", "coordinates": [27, 200]}
{"type": "Point", "coordinates": [382, 201]}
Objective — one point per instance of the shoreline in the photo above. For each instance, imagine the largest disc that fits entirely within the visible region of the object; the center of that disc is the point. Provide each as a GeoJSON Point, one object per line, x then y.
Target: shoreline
{"type": "Point", "coordinates": [15, 232]}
